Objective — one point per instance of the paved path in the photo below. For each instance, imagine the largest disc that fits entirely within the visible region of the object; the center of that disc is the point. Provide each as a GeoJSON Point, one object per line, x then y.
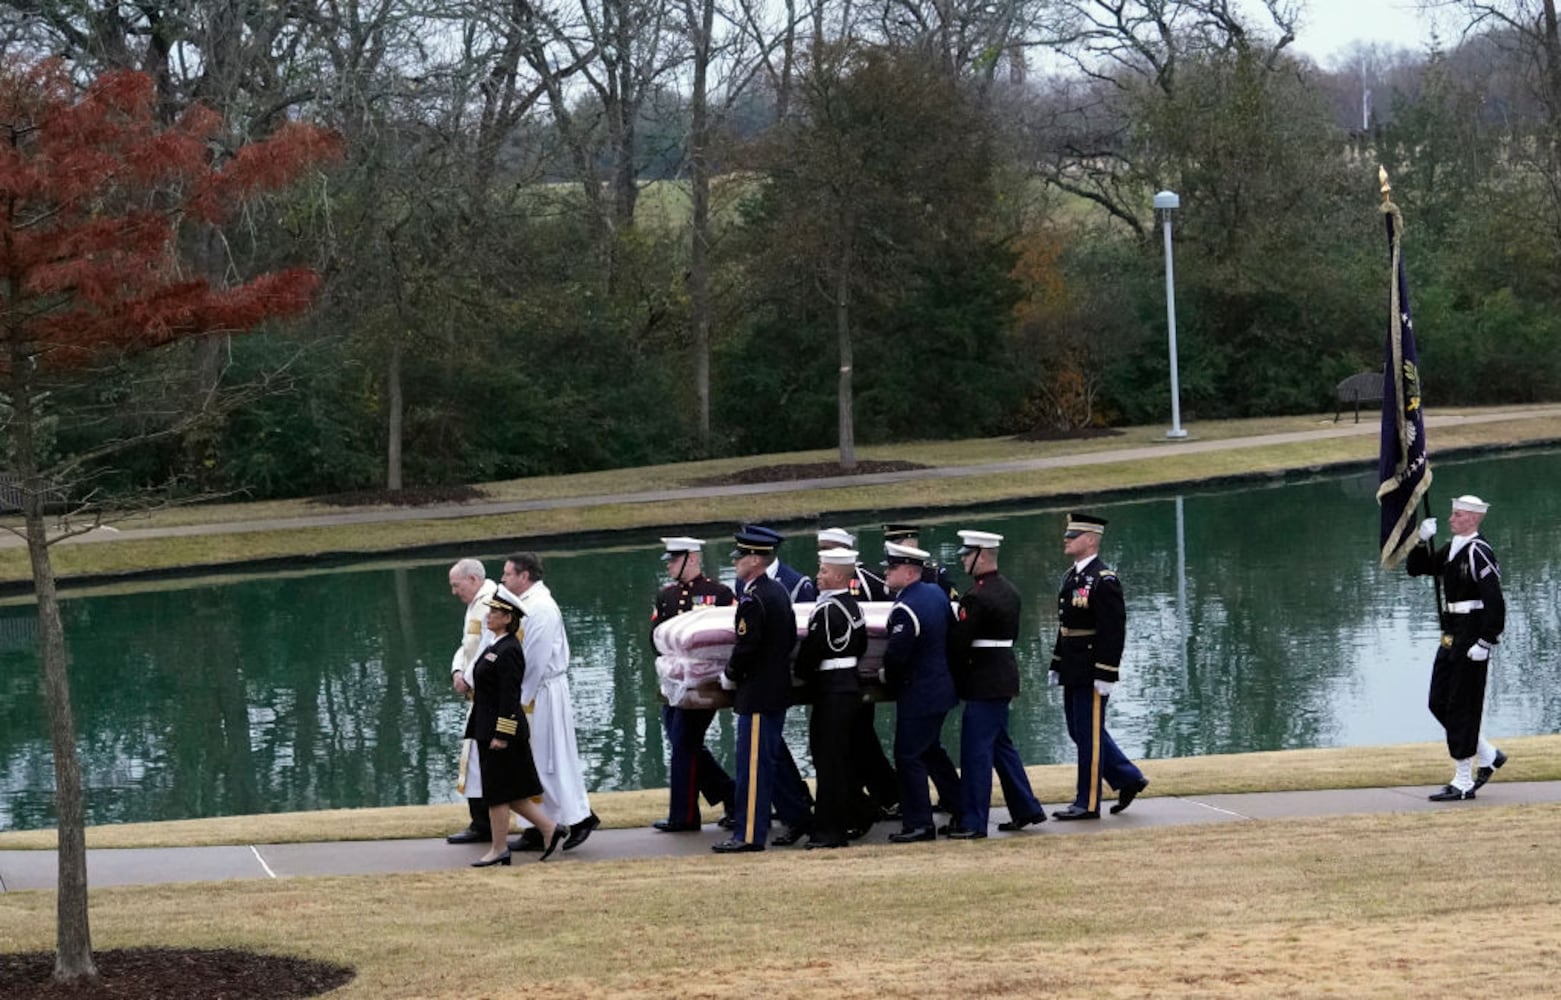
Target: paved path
{"type": "Point", "coordinates": [23, 870]}
{"type": "Point", "coordinates": [1148, 453]}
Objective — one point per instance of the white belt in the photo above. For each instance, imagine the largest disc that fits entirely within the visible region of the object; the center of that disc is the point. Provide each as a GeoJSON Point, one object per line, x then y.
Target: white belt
{"type": "Point", "coordinates": [1464, 607]}
{"type": "Point", "coordinates": [838, 663]}
{"type": "Point", "coordinates": [991, 644]}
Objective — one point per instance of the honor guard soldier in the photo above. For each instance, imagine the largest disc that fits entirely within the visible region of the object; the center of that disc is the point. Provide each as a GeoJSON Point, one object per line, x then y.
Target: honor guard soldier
{"type": "Point", "coordinates": [865, 585]}
{"type": "Point", "coordinates": [826, 661]}
{"type": "Point", "coordinates": [916, 668]}
{"type": "Point", "coordinates": [1472, 623]}
{"type": "Point", "coordinates": [759, 672]}
{"type": "Point", "coordinates": [910, 534]}
{"type": "Point", "coordinates": [986, 678]}
{"type": "Point", "coordinates": [798, 587]}
{"type": "Point", "coordinates": [1091, 632]}
{"type": "Point", "coordinates": [693, 769]}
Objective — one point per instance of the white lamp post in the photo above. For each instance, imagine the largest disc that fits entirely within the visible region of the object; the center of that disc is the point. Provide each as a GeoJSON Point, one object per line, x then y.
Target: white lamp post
{"type": "Point", "coordinates": [1166, 202]}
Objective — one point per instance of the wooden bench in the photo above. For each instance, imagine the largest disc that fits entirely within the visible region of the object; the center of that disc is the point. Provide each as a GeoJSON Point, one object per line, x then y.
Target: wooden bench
{"type": "Point", "coordinates": [1363, 388]}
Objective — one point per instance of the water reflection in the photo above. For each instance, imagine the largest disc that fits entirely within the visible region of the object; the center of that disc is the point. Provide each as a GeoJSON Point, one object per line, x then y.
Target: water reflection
{"type": "Point", "coordinates": [1258, 620]}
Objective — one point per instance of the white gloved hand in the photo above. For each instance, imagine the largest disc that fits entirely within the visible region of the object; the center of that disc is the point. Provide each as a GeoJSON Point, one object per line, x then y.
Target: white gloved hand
{"type": "Point", "coordinates": [1053, 679]}
{"type": "Point", "coordinates": [1480, 651]}
{"type": "Point", "coordinates": [1103, 688]}
{"type": "Point", "coordinates": [727, 684]}
{"type": "Point", "coordinates": [1427, 529]}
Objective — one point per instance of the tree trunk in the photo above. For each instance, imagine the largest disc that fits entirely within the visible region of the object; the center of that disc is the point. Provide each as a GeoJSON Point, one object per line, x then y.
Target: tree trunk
{"type": "Point", "coordinates": [395, 406]}
{"type": "Point", "coordinates": [699, 235]}
{"type": "Point", "coordinates": [73, 935]}
{"type": "Point", "coordinates": [843, 331]}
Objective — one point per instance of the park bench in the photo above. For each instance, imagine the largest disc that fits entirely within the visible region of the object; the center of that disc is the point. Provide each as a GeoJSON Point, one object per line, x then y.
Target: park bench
{"type": "Point", "coordinates": [1363, 388]}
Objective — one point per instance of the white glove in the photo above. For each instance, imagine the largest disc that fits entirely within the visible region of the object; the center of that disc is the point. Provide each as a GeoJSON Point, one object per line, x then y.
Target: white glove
{"type": "Point", "coordinates": [1053, 679]}
{"type": "Point", "coordinates": [727, 684]}
{"type": "Point", "coordinates": [1103, 688]}
{"type": "Point", "coordinates": [1480, 651]}
{"type": "Point", "coordinates": [883, 676]}
{"type": "Point", "coordinates": [1427, 529]}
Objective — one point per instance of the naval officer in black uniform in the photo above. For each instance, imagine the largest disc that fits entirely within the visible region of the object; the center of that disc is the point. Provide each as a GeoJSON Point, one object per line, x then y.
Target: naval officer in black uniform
{"type": "Point", "coordinates": [693, 769]}
{"type": "Point", "coordinates": [827, 664]}
{"type": "Point", "coordinates": [1091, 631]}
{"type": "Point", "coordinates": [1472, 622]}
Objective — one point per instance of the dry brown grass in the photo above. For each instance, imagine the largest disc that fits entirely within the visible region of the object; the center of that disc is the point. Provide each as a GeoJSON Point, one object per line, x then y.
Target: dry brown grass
{"type": "Point", "coordinates": [1534, 758]}
{"type": "Point", "coordinates": [1456, 903]}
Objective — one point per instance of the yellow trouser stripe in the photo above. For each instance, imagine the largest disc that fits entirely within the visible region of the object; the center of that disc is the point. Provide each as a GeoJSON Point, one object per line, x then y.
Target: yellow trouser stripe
{"type": "Point", "coordinates": [753, 773]}
{"type": "Point", "coordinates": [1094, 752]}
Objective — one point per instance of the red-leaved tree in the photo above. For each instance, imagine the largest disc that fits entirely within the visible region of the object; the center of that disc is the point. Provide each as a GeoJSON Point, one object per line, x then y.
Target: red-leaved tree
{"type": "Point", "coordinates": [93, 192]}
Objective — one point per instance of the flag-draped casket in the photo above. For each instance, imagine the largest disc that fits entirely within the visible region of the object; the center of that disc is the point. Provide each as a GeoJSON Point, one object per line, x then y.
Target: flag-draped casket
{"type": "Point", "coordinates": [693, 648]}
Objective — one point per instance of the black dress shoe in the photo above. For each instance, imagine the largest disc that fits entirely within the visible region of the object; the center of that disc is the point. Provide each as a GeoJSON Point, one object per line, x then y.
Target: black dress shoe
{"type": "Point", "coordinates": [813, 845]}
{"type": "Point", "coordinates": [1485, 774]}
{"type": "Point", "coordinates": [1450, 793]}
{"type": "Point", "coordinates": [1014, 825]}
{"type": "Point", "coordinates": [1074, 812]}
{"type": "Point", "coordinates": [727, 821]}
{"type": "Point", "coordinates": [530, 839]}
{"type": "Point", "coordinates": [560, 834]}
{"type": "Point", "coordinates": [788, 836]}
{"type": "Point", "coordinates": [913, 836]}
{"type": "Point", "coordinates": [889, 813]}
{"type": "Point", "coordinates": [502, 859]}
{"type": "Point", "coordinates": [857, 832]}
{"type": "Point", "coordinates": [581, 830]}
{"type": "Point", "coordinates": [468, 836]}
{"type": "Point", "coordinates": [1126, 796]}
{"type": "Point", "coordinates": [667, 826]}
{"type": "Point", "coordinates": [939, 807]}
{"type": "Point", "coordinates": [960, 833]}
{"type": "Point", "coordinates": [735, 846]}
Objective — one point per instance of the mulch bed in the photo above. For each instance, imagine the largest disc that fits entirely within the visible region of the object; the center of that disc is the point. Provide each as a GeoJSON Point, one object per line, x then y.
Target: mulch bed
{"type": "Point", "coordinates": [172, 974]}
{"type": "Point", "coordinates": [813, 470]}
{"type": "Point", "coordinates": [413, 496]}
{"type": "Point", "coordinates": [1079, 434]}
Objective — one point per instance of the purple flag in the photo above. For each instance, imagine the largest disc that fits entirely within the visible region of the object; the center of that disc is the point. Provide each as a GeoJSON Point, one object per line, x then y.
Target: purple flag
{"type": "Point", "coordinates": [1404, 470]}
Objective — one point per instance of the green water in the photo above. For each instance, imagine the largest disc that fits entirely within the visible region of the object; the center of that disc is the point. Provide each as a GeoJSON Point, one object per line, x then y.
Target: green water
{"type": "Point", "coordinates": [1263, 623]}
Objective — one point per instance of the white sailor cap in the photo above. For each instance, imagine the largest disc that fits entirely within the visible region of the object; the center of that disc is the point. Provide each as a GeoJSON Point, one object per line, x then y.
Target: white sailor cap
{"type": "Point", "coordinates": [895, 554]}
{"type": "Point", "coordinates": [837, 557]}
{"type": "Point", "coordinates": [1471, 503]}
{"type": "Point", "coordinates": [836, 536]}
{"type": "Point", "coordinates": [974, 540]}
{"type": "Point", "coordinates": [679, 545]}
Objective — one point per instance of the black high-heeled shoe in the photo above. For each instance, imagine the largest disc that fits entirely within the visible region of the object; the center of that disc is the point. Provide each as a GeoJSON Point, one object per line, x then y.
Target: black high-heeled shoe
{"type": "Point", "coordinates": [560, 834]}
{"type": "Point", "coordinates": [502, 859]}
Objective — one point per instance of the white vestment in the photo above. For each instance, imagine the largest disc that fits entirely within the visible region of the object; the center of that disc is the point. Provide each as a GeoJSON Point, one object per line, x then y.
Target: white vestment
{"type": "Point", "coordinates": [475, 637]}
{"type": "Point", "coordinates": [544, 691]}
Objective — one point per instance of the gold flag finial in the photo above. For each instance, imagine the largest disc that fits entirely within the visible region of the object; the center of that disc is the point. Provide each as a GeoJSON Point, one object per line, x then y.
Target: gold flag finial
{"type": "Point", "coordinates": [1387, 189]}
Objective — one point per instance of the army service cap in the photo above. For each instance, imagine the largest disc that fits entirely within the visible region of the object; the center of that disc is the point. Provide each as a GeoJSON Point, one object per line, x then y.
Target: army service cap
{"type": "Point", "coordinates": [1084, 524]}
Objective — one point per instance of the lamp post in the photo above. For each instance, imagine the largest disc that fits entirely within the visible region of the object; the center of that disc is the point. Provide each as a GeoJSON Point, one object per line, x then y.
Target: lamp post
{"type": "Point", "coordinates": [1165, 202]}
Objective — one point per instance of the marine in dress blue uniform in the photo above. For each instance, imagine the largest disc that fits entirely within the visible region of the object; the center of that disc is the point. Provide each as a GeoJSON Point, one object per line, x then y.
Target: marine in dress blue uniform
{"type": "Point", "coordinates": [1086, 661]}
{"type": "Point", "coordinates": [760, 674]}
{"type": "Point", "coordinates": [693, 769]}
{"type": "Point", "coordinates": [986, 678]}
{"type": "Point", "coordinates": [916, 668]}
{"type": "Point", "coordinates": [1472, 621]}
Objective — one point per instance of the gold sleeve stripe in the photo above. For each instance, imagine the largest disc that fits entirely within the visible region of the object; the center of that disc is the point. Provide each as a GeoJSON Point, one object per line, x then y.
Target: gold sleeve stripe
{"type": "Point", "coordinates": [1108, 668]}
{"type": "Point", "coordinates": [507, 726]}
{"type": "Point", "coordinates": [474, 627]}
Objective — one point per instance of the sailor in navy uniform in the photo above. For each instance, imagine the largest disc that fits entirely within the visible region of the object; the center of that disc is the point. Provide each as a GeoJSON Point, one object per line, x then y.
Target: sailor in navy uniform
{"type": "Point", "coordinates": [1091, 631]}
{"type": "Point", "coordinates": [876, 794]}
{"type": "Point", "coordinates": [798, 587]}
{"type": "Point", "coordinates": [986, 678]}
{"type": "Point", "coordinates": [910, 534]}
{"type": "Point", "coordinates": [693, 769]}
{"type": "Point", "coordinates": [759, 672]}
{"type": "Point", "coordinates": [916, 668]}
{"type": "Point", "coordinates": [1472, 621]}
{"type": "Point", "coordinates": [827, 663]}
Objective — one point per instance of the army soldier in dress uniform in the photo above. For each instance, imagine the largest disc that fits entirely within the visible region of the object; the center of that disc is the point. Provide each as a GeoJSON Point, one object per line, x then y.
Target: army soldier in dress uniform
{"type": "Point", "coordinates": [1091, 631]}
{"type": "Point", "coordinates": [759, 672]}
{"type": "Point", "coordinates": [916, 667]}
{"type": "Point", "coordinates": [798, 587]}
{"type": "Point", "coordinates": [986, 678]}
{"type": "Point", "coordinates": [910, 534]}
{"type": "Point", "coordinates": [1471, 626]}
{"type": "Point", "coordinates": [470, 584]}
{"type": "Point", "coordinates": [693, 769]}
{"type": "Point", "coordinates": [826, 661]}
{"type": "Point", "coordinates": [864, 585]}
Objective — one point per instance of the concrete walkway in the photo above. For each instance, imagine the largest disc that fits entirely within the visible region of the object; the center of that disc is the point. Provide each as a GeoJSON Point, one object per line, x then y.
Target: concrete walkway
{"type": "Point", "coordinates": [1148, 453]}
{"type": "Point", "coordinates": [23, 870]}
